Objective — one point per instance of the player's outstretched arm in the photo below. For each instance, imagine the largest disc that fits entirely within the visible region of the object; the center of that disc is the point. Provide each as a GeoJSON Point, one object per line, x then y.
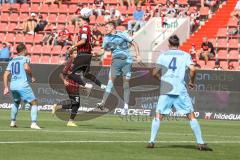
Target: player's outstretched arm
{"type": "Point", "coordinates": [156, 72]}
{"type": "Point", "coordinates": [192, 74]}
{"type": "Point", "coordinates": [5, 82]}
{"type": "Point", "coordinates": [80, 43]}
{"type": "Point", "coordinates": [136, 51]}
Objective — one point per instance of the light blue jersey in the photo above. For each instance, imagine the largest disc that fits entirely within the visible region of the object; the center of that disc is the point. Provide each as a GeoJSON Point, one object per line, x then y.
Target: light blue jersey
{"type": "Point", "coordinates": [19, 78]}
{"type": "Point", "coordinates": [175, 62]}
{"type": "Point", "coordinates": [119, 45]}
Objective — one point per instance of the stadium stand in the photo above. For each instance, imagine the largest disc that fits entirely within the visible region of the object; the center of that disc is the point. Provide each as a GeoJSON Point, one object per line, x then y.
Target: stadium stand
{"type": "Point", "coordinates": [13, 15]}
{"type": "Point", "coordinates": [219, 28]}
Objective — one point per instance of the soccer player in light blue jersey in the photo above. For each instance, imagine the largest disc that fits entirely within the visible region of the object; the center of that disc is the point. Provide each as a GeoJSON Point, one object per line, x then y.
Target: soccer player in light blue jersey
{"type": "Point", "coordinates": [119, 44]}
{"type": "Point", "coordinates": [20, 89]}
{"type": "Point", "coordinates": [171, 69]}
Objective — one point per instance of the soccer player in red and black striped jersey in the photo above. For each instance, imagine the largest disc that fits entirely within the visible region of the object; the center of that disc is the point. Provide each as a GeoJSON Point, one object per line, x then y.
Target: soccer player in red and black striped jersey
{"type": "Point", "coordinates": [72, 87]}
{"type": "Point", "coordinates": [83, 60]}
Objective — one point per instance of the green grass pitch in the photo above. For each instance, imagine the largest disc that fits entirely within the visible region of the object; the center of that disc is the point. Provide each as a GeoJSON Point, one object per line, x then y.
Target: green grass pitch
{"type": "Point", "coordinates": [111, 137]}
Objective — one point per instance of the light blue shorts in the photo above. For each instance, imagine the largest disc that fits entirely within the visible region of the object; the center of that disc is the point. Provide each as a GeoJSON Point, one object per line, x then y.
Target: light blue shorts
{"type": "Point", "coordinates": [26, 94]}
{"type": "Point", "coordinates": [182, 103]}
{"type": "Point", "coordinates": [120, 67]}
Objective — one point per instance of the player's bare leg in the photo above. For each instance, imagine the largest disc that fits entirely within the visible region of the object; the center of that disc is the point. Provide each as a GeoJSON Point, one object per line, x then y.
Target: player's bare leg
{"type": "Point", "coordinates": [197, 132]}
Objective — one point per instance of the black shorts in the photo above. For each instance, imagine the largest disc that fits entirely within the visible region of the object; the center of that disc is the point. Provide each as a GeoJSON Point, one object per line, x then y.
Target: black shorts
{"type": "Point", "coordinates": [82, 62]}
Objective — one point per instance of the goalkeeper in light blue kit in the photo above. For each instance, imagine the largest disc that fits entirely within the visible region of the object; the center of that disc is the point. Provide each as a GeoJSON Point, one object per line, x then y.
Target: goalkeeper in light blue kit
{"type": "Point", "coordinates": [171, 69]}
{"type": "Point", "coordinates": [20, 89]}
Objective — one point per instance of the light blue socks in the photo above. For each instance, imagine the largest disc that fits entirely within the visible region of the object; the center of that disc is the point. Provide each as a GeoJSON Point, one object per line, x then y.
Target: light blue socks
{"type": "Point", "coordinates": [14, 111]}
{"type": "Point", "coordinates": [154, 130]}
{"type": "Point", "coordinates": [34, 111]}
{"type": "Point", "coordinates": [196, 130]}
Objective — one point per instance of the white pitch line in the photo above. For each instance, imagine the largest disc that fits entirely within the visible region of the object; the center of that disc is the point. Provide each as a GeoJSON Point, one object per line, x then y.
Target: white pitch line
{"type": "Point", "coordinates": [59, 142]}
{"type": "Point", "coordinates": [114, 132]}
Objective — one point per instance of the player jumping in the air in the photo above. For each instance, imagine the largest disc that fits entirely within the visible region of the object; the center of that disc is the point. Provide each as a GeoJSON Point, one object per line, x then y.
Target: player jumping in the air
{"type": "Point", "coordinates": [83, 60]}
{"type": "Point", "coordinates": [171, 69]}
{"type": "Point", "coordinates": [72, 88]}
{"type": "Point", "coordinates": [20, 89]}
{"type": "Point", "coordinates": [119, 43]}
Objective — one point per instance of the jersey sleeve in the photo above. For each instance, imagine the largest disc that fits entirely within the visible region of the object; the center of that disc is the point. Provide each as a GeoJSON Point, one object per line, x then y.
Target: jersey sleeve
{"type": "Point", "coordinates": [126, 37]}
{"type": "Point", "coordinates": [189, 60]}
{"type": "Point", "coordinates": [9, 66]}
{"type": "Point", "coordinates": [105, 41]}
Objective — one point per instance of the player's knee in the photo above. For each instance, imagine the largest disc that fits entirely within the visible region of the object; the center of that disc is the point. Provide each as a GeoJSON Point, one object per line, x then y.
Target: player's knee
{"type": "Point", "coordinates": [17, 103]}
{"type": "Point", "coordinates": [33, 103]}
{"type": "Point", "coordinates": [191, 116]}
{"type": "Point", "coordinates": [159, 116]}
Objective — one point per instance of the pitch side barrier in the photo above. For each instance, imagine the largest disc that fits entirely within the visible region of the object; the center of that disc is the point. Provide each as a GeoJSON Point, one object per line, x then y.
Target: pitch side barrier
{"type": "Point", "coordinates": [216, 95]}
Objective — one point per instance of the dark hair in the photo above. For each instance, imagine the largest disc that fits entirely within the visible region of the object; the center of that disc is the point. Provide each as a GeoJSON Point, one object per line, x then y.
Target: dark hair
{"type": "Point", "coordinates": [174, 41]}
{"type": "Point", "coordinates": [112, 23]}
{"type": "Point", "coordinates": [85, 19]}
{"type": "Point", "coordinates": [21, 47]}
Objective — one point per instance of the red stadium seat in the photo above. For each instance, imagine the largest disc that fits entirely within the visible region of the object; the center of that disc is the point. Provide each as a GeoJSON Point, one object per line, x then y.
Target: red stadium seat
{"type": "Point", "coordinates": [224, 64]}
{"type": "Point", "coordinates": [233, 43]}
{"type": "Point", "coordinates": [52, 18]}
{"type": "Point", "coordinates": [25, 8]}
{"type": "Point", "coordinates": [3, 27]}
{"type": "Point", "coordinates": [45, 59]}
{"type": "Point", "coordinates": [222, 43]}
{"type": "Point", "coordinates": [70, 28]}
{"type": "Point", "coordinates": [62, 18]}
{"type": "Point", "coordinates": [233, 55]}
{"type": "Point", "coordinates": [72, 9]}
{"type": "Point", "coordinates": [10, 37]}
{"type": "Point", "coordinates": [46, 49]}
{"type": "Point", "coordinates": [14, 17]}
{"type": "Point", "coordinates": [160, 1]}
{"type": "Point", "coordinates": [232, 22]}
{"type": "Point", "coordinates": [34, 8]}
{"type": "Point", "coordinates": [44, 8]}
{"type": "Point", "coordinates": [222, 32]}
{"type": "Point", "coordinates": [55, 59]}
{"type": "Point", "coordinates": [28, 38]}
{"type": "Point", "coordinates": [4, 17]}
{"type": "Point", "coordinates": [222, 54]}
{"type": "Point", "coordinates": [53, 8]}
{"type": "Point", "coordinates": [35, 58]}
{"type": "Point", "coordinates": [56, 50]}
{"type": "Point", "coordinates": [111, 2]}
{"type": "Point", "coordinates": [183, 2]}
{"type": "Point", "coordinates": [19, 38]}
{"type": "Point", "coordinates": [2, 35]}
{"type": "Point", "coordinates": [11, 27]}
{"type": "Point", "coordinates": [210, 64]}
{"type": "Point", "coordinates": [63, 9]}
{"type": "Point", "coordinates": [5, 7]}
{"type": "Point", "coordinates": [23, 17]}
{"type": "Point", "coordinates": [15, 6]}
{"type": "Point", "coordinates": [37, 49]}
{"type": "Point", "coordinates": [38, 38]}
